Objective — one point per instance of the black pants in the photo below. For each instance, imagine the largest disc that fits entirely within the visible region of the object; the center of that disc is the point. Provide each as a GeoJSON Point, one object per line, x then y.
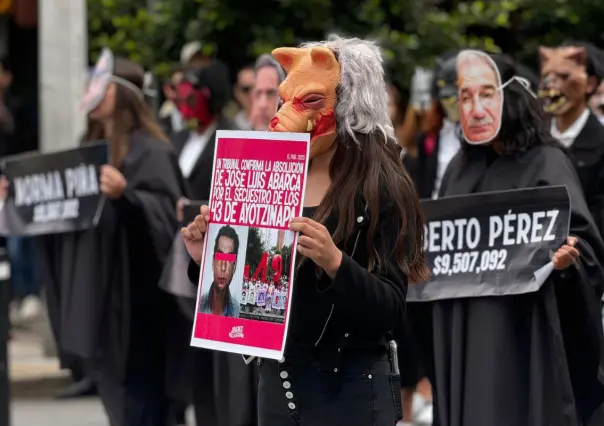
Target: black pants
{"type": "Point", "coordinates": [363, 392]}
{"type": "Point", "coordinates": [138, 402]}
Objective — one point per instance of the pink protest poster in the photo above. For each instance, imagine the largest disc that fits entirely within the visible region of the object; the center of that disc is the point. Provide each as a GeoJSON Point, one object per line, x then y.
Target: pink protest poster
{"type": "Point", "coordinates": [248, 262]}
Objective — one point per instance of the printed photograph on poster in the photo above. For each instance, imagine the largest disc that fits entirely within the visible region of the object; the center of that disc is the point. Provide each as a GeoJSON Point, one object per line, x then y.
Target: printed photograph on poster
{"type": "Point", "coordinates": [480, 96]}
{"type": "Point", "coordinates": [266, 277]}
{"type": "Point", "coordinates": [247, 273]}
{"type": "Point", "coordinates": [224, 270]}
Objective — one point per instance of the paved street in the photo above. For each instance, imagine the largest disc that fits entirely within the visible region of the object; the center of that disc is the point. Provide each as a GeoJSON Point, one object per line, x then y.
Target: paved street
{"type": "Point", "coordinates": [85, 412]}
{"type": "Point", "coordinates": [47, 412]}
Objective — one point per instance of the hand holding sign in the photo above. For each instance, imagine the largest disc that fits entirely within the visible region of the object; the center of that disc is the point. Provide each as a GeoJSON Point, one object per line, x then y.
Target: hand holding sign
{"type": "Point", "coordinates": [113, 182]}
{"type": "Point", "coordinates": [316, 244]}
{"type": "Point", "coordinates": [566, 255]}
{"type": "Point", "coordinates": [193, 234]}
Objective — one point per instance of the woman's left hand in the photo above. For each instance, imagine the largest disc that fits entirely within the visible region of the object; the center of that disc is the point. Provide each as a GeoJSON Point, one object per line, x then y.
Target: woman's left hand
{"type": "Point", "coordinates": [566, 255]}
{"type": "Point", "coordinates": [316, 244]}
{"type": "Point", "coordinates": [113, 182]}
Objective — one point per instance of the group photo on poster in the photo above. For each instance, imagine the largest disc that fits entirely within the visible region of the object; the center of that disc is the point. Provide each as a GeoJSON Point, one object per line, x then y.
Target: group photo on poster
{"type": "Point", "coordinates": [266, 281]}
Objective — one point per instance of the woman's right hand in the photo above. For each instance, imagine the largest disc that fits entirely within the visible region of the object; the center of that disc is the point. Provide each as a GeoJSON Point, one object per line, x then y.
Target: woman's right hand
{"type": "Point", "coordinates": [4, 185]}
{"type": "Point", "coordinates": [194, 233]}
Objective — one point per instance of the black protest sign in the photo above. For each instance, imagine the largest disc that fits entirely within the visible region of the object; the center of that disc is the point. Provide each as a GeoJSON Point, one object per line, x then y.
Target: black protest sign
{"type": "Point", "coordinates": [492, 244]}
{"type": "Point", "coordinates": [53, 193]}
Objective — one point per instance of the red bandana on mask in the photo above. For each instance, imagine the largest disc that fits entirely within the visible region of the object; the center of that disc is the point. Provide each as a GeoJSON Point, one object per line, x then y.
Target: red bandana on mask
{"type": "Point", "coordinates": [193, 104]}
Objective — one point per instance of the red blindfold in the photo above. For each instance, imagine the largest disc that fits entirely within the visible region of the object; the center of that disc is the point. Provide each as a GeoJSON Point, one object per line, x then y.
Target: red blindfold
{"type": "Point", "coordinates": [226, 257]}
{"type": "Point", "coordinates": [193, 103]}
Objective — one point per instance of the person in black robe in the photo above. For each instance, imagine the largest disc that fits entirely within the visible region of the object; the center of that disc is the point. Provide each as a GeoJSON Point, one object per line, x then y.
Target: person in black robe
{"type": "Point", "coordinates": [104, 303]}
{"type": "Point", "coordinates": [570, 75]}
{"type": "Point", "coordinates": [533, 359]}
{"type": "Point", "coordinates": [214, 382]}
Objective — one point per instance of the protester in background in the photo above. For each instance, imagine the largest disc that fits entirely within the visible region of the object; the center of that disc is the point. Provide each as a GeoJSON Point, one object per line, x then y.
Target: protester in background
{"type": "Point", "coordinates": [103, 299]}
{"type": "Point", "coordinates": [544, 349]}
{"type": "Point", "coordinates": [14, 129]}
{"type": "Point", "coordinates": [169, 116]}
{"type": "Point", "coordinates": [192, 56]}
{"type": "Point", "coordinates": [570, 74]}
{"type": "Point", "coordinates": [265, 98]}
{"type": "Point", "coordinates": [214, 382]}
{"type": "Point", "coordinates": [416, 394]}
{"type": "Point", "coordinates": [404, 128]}
{"type": "Point", "coordinates": [243, 94]}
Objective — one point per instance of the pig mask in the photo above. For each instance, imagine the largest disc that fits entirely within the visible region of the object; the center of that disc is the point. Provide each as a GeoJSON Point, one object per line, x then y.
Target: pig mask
{"type": "Point", "coordinates": [309, 95]}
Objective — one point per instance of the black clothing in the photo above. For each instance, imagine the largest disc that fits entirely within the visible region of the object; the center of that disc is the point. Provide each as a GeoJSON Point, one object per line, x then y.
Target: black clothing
{"type": "Point", "coordinates": [355, 310]}
{"type": "Point", "coordinates": [423, 168]}
{"type": "Point", "coordinates": [103, 300]}
{"type": "Point", "coordinates": [332, 321]}
{"type": "Point", "coordinates": [214, 382]}
{"type": "Point", "coordinates": [587, 154]}
{"type": "Point", "coordinates": [533, 359]}
{"type": "Point", "coordinates": [298, 393]}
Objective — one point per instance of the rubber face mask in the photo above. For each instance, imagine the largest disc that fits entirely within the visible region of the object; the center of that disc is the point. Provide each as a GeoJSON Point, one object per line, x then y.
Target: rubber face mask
{"type": "Point", "coordinates": [193, 105]}
{"type": "Point", "coordinates": [451, 108]}
{"type": "Point", "coordinates": [309, 95]}
{"type": "Point", "coordinates": [480, 97]}
{"type": "Point", "coordinates": [564, 82]}
{"type": "Point", "coordinates": [102, 75]}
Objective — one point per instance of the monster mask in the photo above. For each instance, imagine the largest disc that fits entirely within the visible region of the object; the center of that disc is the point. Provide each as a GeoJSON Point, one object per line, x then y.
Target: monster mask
{"type": "Point", "coordinates": [309, 95]}
{"type": "Point", "coordinates": [445, 86]}
{"type": "Point", "coordinates": [564, 80]}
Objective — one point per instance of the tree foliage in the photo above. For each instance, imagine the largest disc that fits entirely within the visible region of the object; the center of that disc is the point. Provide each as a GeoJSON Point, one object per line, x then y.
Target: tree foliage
{"type": "Point", "coordinates": [411, 32]}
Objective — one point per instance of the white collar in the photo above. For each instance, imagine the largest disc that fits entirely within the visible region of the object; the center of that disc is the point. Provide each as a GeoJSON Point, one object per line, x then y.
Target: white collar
{"type": "Point", "coordinates": [568, 137]}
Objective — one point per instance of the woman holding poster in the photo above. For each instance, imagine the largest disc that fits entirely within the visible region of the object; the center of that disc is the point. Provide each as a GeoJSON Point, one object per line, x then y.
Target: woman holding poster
{"type": "Point", "coordinates": [360, 240]}
{"type": "Point", "coordinates": [532, 359]}
{"type": "Point", "coordinates": [102, 283]}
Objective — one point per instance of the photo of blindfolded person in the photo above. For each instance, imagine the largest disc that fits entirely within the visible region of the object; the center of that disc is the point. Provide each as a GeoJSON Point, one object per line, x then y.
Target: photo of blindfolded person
{"type": "Point", "coordinates": [219, 290]}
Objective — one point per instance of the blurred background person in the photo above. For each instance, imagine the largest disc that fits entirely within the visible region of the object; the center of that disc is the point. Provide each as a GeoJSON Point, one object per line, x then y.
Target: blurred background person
{"type": "Point", "coordinates": [103, 299]}
{"type": "Point", "coordinates": [213, 382]}
{"type": "Point", "coordinates": [265, 98]}
{"type": "Point", "coordinates": [16, 138]}
{"type": "Point", "coordinates": [243, 95]}
{"type": "Point", "coordinates": [192, 55]}
{"type": "Point", "coordinates": [169, 116]}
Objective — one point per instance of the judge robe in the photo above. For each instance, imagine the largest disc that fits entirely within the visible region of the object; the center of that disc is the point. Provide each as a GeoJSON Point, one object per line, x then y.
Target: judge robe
{"type": "Point", "coordinates": [587, 155]}
{"type": "Point", "coordinates": [532, 359]}
{"type": "Point", "coordinates": [103, 299]}
{"type": "Point", "coordinates": [214, 382]}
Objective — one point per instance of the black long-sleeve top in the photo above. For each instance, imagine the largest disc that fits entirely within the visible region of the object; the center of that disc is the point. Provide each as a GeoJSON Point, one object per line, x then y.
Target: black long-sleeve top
{"type": "Point", "coordinates": [358, 309]}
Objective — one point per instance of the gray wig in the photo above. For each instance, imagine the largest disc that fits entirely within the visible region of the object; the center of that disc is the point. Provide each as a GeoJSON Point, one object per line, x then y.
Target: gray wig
{"type": "Point", "coordinates": [362, 103]}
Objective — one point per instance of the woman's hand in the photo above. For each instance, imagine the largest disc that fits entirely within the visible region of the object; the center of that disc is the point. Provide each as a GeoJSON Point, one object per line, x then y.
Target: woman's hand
{"type": "Point", "coordinates": [566, 255]}
{"type": "Point", "coordinates": [316, 244]}
{"type": "Point", "coordinates": [113, 182]}
{"type": "Point", "coordinates": [4, 185]}
{"type": "Point", "coordinates": [194, 233]}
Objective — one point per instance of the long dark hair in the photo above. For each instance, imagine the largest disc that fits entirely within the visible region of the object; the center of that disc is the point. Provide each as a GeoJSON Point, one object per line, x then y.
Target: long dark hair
{"type": "Point", "coordinates": [378, 173]}
{"type": "Point", "coordinates": [523, 122]}
{"type": "Point", "coordinates": [131, 114]}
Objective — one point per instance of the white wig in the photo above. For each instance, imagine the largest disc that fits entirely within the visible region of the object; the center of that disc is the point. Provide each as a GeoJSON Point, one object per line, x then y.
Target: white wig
{"type": "Point", "coordinates": [362, 103]}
